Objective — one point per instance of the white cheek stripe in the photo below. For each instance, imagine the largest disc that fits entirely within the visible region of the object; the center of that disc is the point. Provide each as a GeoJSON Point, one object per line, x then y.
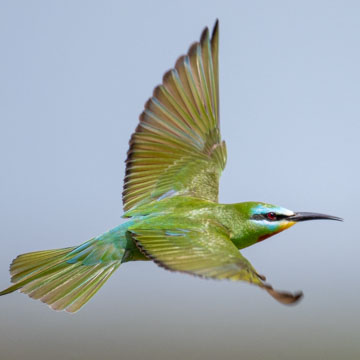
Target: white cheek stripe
{"type": "Point", "coordinates": [284, 211]}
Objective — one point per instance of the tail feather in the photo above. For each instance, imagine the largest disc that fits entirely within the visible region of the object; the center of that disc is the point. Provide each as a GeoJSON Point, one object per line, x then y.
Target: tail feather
{"type": "Point", "coordinates": [83, 275]}
{"type": "Point", "coordinates": [24, 269]}
{"type": "Point", "coordinates": [39, 288]}
{"type": "Point", "coordinates": [78, 297]}
{"type": "Point", "coordinates": [65, 279]}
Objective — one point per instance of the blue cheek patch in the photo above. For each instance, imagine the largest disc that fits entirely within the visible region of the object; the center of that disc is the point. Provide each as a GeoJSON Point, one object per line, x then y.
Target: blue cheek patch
{"type": "Point", "coordinates": [263, 209]}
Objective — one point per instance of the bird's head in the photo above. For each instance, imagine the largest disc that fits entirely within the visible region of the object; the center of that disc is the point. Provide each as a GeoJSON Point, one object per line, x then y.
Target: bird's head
{"type": "Point", "coordinates": [265, 220]}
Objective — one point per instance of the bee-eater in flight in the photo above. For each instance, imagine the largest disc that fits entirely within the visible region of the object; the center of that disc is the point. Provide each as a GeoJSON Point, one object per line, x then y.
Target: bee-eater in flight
{"type": "Point", "coordinates": [170, 198]}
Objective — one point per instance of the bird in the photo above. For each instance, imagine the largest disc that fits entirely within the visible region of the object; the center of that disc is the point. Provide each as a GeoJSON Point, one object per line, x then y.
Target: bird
{"type": "Point", "coordinates": [170, 200]}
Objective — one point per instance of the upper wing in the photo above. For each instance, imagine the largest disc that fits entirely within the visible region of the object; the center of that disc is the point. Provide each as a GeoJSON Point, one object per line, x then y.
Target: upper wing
{"type": "Point", "coordinates": [176, 148]}
{"type": "Point", "coordinates": [206, 252]}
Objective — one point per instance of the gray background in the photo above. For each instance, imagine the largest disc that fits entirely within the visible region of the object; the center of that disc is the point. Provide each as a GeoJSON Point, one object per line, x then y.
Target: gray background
{"type": "Point", "coordinates": [74, 76]}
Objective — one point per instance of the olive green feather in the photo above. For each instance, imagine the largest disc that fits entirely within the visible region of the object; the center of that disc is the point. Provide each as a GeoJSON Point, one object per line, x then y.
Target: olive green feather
{"type": "Point", "coordinates": [66, 279]}
{"type": "Point", "coordinates": [198, 244]}
{"type": "Point", "coordinates": [177, 148]}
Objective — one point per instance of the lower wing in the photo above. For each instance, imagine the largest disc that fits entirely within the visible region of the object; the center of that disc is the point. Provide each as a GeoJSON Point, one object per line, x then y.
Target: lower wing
{"type": "Point", "coordinates": [206, 252]}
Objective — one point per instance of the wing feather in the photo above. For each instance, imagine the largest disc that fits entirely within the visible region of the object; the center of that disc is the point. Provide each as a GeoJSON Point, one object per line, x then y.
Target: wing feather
{"type": "Point", "coordinates": [177, 145]}
{"type": "Point", "coordinates": [206, 252]}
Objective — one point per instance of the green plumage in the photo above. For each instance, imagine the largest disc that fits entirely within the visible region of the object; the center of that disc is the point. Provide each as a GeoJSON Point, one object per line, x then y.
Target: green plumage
{"type": "Point", "coordinates": [170, 198]}
{"type": "Point", "coordinates": [177, 146]}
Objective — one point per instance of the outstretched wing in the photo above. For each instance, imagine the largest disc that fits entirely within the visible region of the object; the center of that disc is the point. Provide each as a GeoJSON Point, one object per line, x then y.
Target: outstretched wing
{"type": "Point", "coordinates": [176, 148]}
{"type": "Point", "coordinates": [207, 252]}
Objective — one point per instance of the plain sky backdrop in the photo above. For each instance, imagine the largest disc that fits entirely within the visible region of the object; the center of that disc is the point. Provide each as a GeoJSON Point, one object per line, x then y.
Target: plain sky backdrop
{"type": "Point", "coordinates": [74, 76]}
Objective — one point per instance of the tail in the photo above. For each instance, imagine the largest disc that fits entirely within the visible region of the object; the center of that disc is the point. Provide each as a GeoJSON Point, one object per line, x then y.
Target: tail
{"type": "Point", "coordinates": [66, 279]}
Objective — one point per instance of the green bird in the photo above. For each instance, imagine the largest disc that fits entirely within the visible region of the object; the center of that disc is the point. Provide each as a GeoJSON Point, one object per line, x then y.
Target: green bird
{"type": "Point", "coordinates": [170, 198]}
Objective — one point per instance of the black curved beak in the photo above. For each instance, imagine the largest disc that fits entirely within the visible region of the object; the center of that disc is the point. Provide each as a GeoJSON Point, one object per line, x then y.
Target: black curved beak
{"type": "Point", "coordinates": [305, 216]}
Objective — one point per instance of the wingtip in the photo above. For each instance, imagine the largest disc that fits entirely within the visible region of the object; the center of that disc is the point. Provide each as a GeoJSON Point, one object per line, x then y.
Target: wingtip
{"type": "Point", "coordinates": [204, 35]}
{"type": "Point", "coordinates": [206, 31]}
{"type": "Point", "coordinates": [285, 297]}
{"type": "Point", "coordinates": [215, 28]}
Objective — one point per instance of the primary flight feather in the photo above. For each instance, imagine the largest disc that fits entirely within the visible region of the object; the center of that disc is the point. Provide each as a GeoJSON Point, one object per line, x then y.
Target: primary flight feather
{"type": "Point", "coordinates": [170, 198]}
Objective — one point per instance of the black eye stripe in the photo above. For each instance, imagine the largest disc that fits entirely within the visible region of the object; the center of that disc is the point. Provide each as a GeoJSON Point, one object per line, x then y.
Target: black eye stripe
{"type": "Point", "coordinates": [278, 217]}
{"type": "Point", "coordinates": [258, 217]}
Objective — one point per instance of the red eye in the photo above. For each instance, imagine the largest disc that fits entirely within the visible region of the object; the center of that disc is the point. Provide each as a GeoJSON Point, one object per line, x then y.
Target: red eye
{"type": "Point", "coordinates": [271, 216]}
